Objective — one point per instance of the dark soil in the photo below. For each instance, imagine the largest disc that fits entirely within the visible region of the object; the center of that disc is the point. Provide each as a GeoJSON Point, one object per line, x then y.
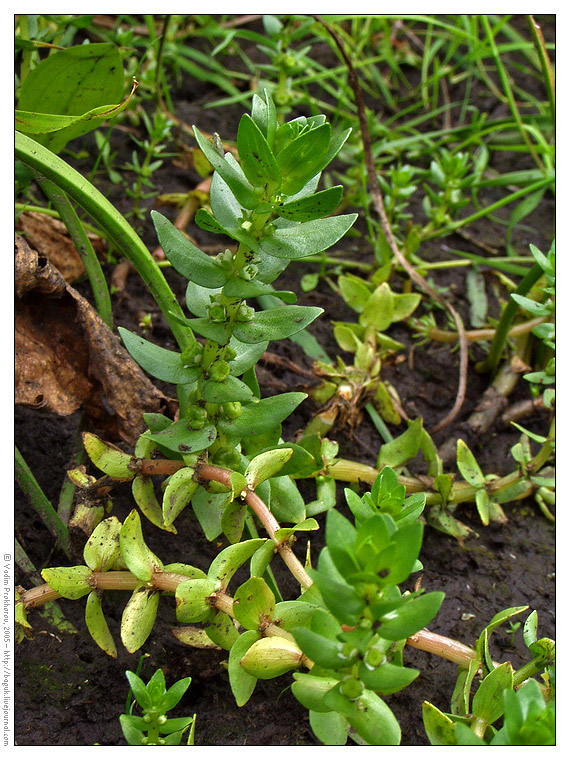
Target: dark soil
{"type": "Point", "coordinates": [70, 693]}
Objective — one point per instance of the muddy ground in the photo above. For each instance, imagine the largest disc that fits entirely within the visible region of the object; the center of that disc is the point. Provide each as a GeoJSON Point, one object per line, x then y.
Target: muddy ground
{"type": "Point", "coordinates": [70, 693]}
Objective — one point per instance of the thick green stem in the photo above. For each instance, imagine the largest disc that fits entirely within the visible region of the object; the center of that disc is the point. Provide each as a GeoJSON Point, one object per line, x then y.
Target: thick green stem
{"type": "Point", "coordinates": [110, 221]}
{"type": "Point", "coordinates": [83, 245]}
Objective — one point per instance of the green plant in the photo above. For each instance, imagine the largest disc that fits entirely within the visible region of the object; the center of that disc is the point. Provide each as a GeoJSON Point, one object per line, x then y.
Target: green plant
{"type": "Point", "coordinates": [154, 728]}
{"type": "Point", "coordinates": [526, 706]}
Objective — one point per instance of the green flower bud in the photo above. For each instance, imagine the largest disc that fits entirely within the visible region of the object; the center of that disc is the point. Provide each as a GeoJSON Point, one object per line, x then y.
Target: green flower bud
{"type": "Point", "coordinates": [232, 409]}
{"type": "Point", "coordinates": [219, 371]}
{"type": "Point", "coordinates": [147, 718]}
{"type": "Point", "coordinates": [245, 313]}
{"type": "Point", "coordinates": [217, 312]}
{"type": "Point", "coordinates": [246, 226]}
{"type": "Point", "coordinates": [161, 720]}
{"type": "Point", "coordinates": [249, 272]}
{"type": "Point", "coordinates": [230, 353]}
{"type": "Point", "coordinates": [197, 417]}
{"type": "Point", "coordinates": [374, 658]}
{"type": "Point", "coordinates": [352, 688]}
{"type": "Point", "coordinates": [192, 355]}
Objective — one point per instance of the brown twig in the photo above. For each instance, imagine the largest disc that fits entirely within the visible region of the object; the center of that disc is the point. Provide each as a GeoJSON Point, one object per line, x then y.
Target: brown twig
{"type": "Point", "coordinates": [378, 201]}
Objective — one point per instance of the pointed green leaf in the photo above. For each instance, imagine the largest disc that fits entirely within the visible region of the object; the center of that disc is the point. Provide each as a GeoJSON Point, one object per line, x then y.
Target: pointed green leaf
{"type": "Point", "coordinates": [330, 728]}
{"type": "Point", "coordinates": [241, 682]}
{"type": "Point", "coordinates": [97, 625]}
{"type": "Point", "coordinates": [191, 601]}
{"type": "Point", "coordinates": [185, 257]}
{"type": "Point", "coordinates": [182, 439]}
{"type": "Point", "coordinates": [254, 603]}
{"type": "Point", "coordinates": [411, 617]}
{"type": "Point", "coordinates": [138, 557]}
{"type": "Point", "coordinates": [108, 458]}
{"type": "Point", "coordinates": [69, 582]}
{"type": "Point", "coordinates": [310, 690]}
{"type": "Point", "coordinates": [379, 309]}
{"type": "Point", "coordinates": [159, 362]}
{"type": "Point", "coordinates": [354, 291]}
{"type": "Point", "coordinates": [261, 417]}
{"type": "Point", "coordinates": [179, 491]}
{"type": "Point", "coordinates": [231, 389]}
{"type": "Point", "coordinates": [306, 238]}
{"type": "Point", "coordinates": [439, 728]}
{"type": "Point", "coordinates": [102, 551]}
{"type": "Point", "coordinates": [239, 288]}
{"type": "Point", "coordinates": [467, 465]}
{"type": "Point", "coordinates": [370, 717]}
{"type": "Point", "coordinates": [257, 159]}
{"type": "Point", "coordinates": [488, 700]}
{"type": "Point", "coordinates": [231, 559]}
{"type": "Point", "coordinates": [276, 324]}
{"type": "Point", "coordinates": [208, 508]}
{"type": "Point", "coordinates": [303, 157]}
{"type": "Point", "coordinates": [311, 207]}
{"type": "Point", "coordinates": [138, 617]}
{"type": "Point", "coordinates": [387, 678]}
{"type": "Point", "coordinates": [236, 180]}
{"type": "Point", "coordinates": [222, 631]}
{"type": "Point", "coordinates": [286, 501]}
{"type": "Point", "coordinates": [145, 498]}
{"type": "Point", "coordinates": [233, 520]}
{"type": "Point", "coordinates": [266, 465]}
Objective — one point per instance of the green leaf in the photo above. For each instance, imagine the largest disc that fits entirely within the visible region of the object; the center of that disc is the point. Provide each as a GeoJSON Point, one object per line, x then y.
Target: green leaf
{"type": "Point", "coordinates": [387, 678]}
{"type": "Point", "coordinates": [303, 157]}
{"type": "Point", "coordinates": [370, 717]}
{"type": "Point", "coordinates": [321, 649]}
{"type": "Point", "coordinates": [404, 305]}
{"type": "Point", "coordinates": [330, 728]}
{"type": "Point", "coordinates": [208, 509]}
{"type": "Point", "coordinates": [231, 389]}
{"type": "Point", "coordinates": [247, 355]}
{"type": "Point", "coordinates": [233, 520]}
{"type": "Point", "coordinates": [311, 207]}
{"type": "Point", "coordinates": [145, 498]}
{"type": "Point", "coordinates": [185, 257]}
{"type": "Point", "coordinates": [159, 362]}
{"type": "Point", "coordinates": [138, 557]}
{"type": "Point", "coordinates": [379, 309]}
{"type": "Point", "coordinates": [264, 115]}
{"type": "Point", "coordinates": [276, 324]}
{"type": "Point", "coordinates": [483, 505]}
{"type": "Point", "coordinates": [97, 625]}
{"type": "Point", "coordinates": [271, 657]}
{"type": "Point", "coordinates": [354, 290]}
{"type": "Point", "coordinates": [191, 604]}
{"type": "Point", "coordinates": [411, 617]}
{"type": "Point", "coordinates": [138, 617]}
{"type": "Point", "coordinates": [468, 467]}
{"type": "Point", "coordinates": [241, 682]}
{"type": "Point", "coordinates": [236, 180]}
{"type": "Point", "coordinates": [487, 703]}
{"type": "Point", "coordinates": [308, 524]}
{"type": "Point", "coordinates": [286, 501]}
{"type": "Point", "coordinates": [222, 630]}
{"type": "Point", "coordinates": [306, 238]}
{"type": "Point", "coordinates": [108, 458]}
{"type": "Point", "coordinates": [182, 439]}
{"type": "Point", "coordinates": [69, 582]}
{"type": "Point", "coordinates": [257, 159]}
{"type": "Point", "coordinates": [266, 465]}
{"type": "Point", "coordinates": [261, 417]}
{"type": "Point", "coordinates": [403, 448]}
{"type": "Point", "coordinates": [102, 551]}
{"type": "Point", "coordinates": [175, 694]}
{"type": "Point", "coordinates": [254, 603]}
{"type": "Point", "coordinates": [179, 491]}
{"type": "Point", "coordinates": [73, 82]}
{"type": "Point", "coordinates": [310, 690]}
{"type": "Point", "coordinates": [530, 628]}
{"type": "Point", "coordinates": [230, 560]}
{"type": "Point", "coordinates": [439, 728]}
